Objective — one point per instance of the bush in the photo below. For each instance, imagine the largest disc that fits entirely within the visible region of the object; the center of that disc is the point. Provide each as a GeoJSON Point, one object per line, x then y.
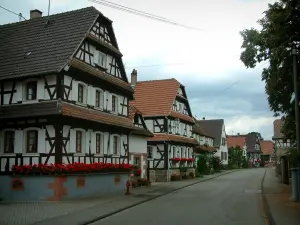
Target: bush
{"type": "Point", "coordinates": [175, 177]}
{"type": "Point", "coordinates": [198, 174]}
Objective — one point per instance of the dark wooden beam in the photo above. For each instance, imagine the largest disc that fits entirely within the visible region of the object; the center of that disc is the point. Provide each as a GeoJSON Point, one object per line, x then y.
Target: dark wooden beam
{"type": "Point", "coordinates": [58, 142]}
{"type": "Point", "coordinates": [2, 93]}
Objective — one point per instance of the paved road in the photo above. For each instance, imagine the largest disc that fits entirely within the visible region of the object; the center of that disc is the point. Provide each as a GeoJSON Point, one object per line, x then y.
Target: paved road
{"type": "Point", "coordinates": [232, 199]}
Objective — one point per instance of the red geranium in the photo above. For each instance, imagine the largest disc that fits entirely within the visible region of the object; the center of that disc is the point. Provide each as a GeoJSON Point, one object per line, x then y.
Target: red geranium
{"type": "Point", "coordinates": [71, 168]}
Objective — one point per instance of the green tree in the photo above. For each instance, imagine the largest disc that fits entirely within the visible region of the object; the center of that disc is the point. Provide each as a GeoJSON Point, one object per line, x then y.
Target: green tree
{"type": "Point", "coordinates": [279, 31]}
{"type": "Point", "coordinates": [235, 156]}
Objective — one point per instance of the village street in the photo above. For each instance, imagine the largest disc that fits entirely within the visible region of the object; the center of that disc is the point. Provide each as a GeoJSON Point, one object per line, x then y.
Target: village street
{"type": "Point", "coordinates": [231, 199]}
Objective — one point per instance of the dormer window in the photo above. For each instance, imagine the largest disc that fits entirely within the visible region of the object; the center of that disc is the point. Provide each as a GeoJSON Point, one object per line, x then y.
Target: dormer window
{"type": "Point", "coordinates": [31, 90]}
{"type": "Point", "coordinates": [80, 93]}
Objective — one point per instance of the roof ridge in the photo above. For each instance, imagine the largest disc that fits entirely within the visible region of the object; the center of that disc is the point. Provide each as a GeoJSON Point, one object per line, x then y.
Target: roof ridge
{"type": "Point", "coordinates": [144, 81]}
{"type": "Point", "coordinates": [43, 17]}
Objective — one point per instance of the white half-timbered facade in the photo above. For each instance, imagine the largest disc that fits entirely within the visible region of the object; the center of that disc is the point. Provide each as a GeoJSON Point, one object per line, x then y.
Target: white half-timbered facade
{"type": "Point", "coordinates": [138, 142]}
{"type": "Point", "coordinates": [168, 116]}
{"type": "Point", "coordinates": [205, 141]}
{"type": "Point", "coordinates": [65, 97]}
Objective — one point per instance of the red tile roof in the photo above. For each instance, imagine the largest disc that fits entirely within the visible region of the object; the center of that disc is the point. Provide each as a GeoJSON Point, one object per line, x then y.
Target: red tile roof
{"type": "Point", "coordinates": [171, 137]}
{"type": "Point", "coordinates": [267, 147]}
{"type": "Point", "coordinates": [233, 141]}
{"type": "Point", "coordinates": [156, 98]}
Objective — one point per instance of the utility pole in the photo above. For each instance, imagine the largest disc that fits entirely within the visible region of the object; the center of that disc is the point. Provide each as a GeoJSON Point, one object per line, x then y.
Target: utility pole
{"type": "Point", "coordinates": [294, 53]}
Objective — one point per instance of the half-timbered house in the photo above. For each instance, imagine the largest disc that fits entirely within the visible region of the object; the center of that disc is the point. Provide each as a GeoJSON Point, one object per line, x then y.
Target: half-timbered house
{"type": "Point", "coordinates": [205, 141]}
{"type": "Point", "coordinates": [168, 116]}
{"type": "Point", "coordinates": [138, 141]}
{"type": "Point", "coordinates": [64, 94]}
{"type": "Point", "coordinates": [216, 129]}
{"type": "Point", "coordinates": [238, 140]}
{"type": "Point", "coordinates": [282, 144]}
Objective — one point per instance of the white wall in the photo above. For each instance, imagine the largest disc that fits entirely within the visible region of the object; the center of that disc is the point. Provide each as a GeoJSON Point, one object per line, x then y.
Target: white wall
{"type": "Point", "coordinates": [20, 90]}
{"type": "Point", "coordinates": [138, 148]}
{"type": "Point", "coordinates": [90, 96]}
{"type": "Point", "coordinates": [223, 148]}
{"type": "Point", "coordinates": [149, 124]}
{"type": "Point", "coordinates": [44, 146]}
{"type": "Point", "coordinates": [138, 144]}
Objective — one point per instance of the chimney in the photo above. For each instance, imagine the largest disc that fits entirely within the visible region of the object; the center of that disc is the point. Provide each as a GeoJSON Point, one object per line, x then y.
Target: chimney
{"type": "Point", "coordinates": [133, 77]}
{"type": "Point", "coordinates": [35, 13]}
{"type": "Point", "coordinates": [203, 118]}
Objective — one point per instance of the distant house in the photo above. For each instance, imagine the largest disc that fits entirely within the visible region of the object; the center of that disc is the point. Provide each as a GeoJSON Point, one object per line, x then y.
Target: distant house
{"type": "Point", "coordinates": [237, 140]}
{"type": "Point", "coordinates": [282, 144]}
{"type": "Point", "coordinates": [253, 147]}
{"type": "Point", "coordinates": [205, 141]}
{"type": "Point", "coordinates": [168, 116]}
{"type": "Point", "coordinates": [138, 141]}
{"type": "Point", "coordinates": [216, 129]}
{"type": "Point", "coordinates": [267, 148]}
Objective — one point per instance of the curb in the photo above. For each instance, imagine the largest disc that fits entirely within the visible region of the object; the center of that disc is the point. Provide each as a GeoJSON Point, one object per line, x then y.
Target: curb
{"type": "Point", "coordinates": [149, 199]}
{"type": "Point", "coordinates": [265, 205]}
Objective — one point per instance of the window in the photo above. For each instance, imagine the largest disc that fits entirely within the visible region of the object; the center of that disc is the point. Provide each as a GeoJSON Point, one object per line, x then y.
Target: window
{"type": "Point", "coordinates": [99, 99]}
{"type": "Point", "coordinates": [188, 155]}
{"type": "Point", "coordinates": [100, 59]}
{"type": "Point", "coordinates": [31, 89]}
{"type": "Point", "coordinates": [225, 155]}
{"type": "Point", "coordinates": [115, 145]}
{"type": "Point", "coordinates": [223, 141]}
{"type": "Point", "coordinates": [79, 137]}
{"type": "Point", "coordinates": [80, 93]}
{"type": "Point", "coordinates": [177, 126]}
{"type": "Point", "coordinates": [150, 152]}
{"type": "Point", "coordinates": [182, 153]}
{"type": "Point", "coordinates": [31, 141]}
{"type": "Point", "coordinates": [98, 143]}
{"type": "Point", "coordinates": [114, 103]}
{"type": "Point", "coordinates": [9, 140]}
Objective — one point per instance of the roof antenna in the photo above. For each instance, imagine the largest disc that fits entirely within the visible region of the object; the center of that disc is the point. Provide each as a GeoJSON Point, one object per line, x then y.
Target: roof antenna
{"type": "Point", "coordinates": [48, 12]}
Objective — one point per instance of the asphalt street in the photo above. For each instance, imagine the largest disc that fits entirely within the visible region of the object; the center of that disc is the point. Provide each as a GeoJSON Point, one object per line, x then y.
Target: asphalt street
{"type": "Point", "coordinates": [232, 199]}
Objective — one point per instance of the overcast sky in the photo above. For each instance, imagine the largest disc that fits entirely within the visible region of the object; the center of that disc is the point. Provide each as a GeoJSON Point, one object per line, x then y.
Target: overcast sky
{"type": "Point", "coordinates": [206, 62]}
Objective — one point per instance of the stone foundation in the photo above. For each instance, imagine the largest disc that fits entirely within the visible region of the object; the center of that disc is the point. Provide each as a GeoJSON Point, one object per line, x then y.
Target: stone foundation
{"type": "Point", "coordinates": [162, 175]}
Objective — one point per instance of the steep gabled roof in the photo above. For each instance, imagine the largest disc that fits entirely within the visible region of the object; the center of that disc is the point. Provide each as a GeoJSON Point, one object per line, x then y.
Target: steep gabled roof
{"type": "Point", "coordinates": [212, 128]}
{"type": "Point", "coordinates": [236, 140]}
{"type": "Point", "coordinates": [156, 98]}
{"type": "Point", "coordinates": [250, 142]}
{"type": "Point", "coordinates": [32, 47]}
{"type": "Point", "coordinates": [267, 147]}
{"type": "Point", "coordinates": [198, 130]}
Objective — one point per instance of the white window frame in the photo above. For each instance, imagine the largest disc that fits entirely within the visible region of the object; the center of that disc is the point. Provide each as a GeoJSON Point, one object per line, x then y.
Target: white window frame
{"type": "Point", "coordinates": [24, 143]}
{"type": "Point", "coordinates": [102, 143]}
{"type": "Point", "coordinates": [116, 104]}
{"type": "Point", "coordinates": [2, 142]}
{"type": "Point", "coordinates": [83, 147]}
{"type": "Point", "coordinates": [85, 93]}
{"type": "Point", "coordinates": [24, 91]}
{"type": "Point", "coordinates": [102, 98]}
{"type": "Point", "coordinates": [100, 55]}
{"type": "Point", "coordinates": [119, 145]}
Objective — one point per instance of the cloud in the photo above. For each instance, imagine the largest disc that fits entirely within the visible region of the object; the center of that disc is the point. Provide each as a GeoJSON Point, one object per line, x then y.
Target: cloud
{"type": "Point", "coordinates": [206, 62]}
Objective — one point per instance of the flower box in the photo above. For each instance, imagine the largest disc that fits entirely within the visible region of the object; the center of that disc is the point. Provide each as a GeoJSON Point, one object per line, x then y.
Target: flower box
{"type": "Point", "coordinates": [74, 168]}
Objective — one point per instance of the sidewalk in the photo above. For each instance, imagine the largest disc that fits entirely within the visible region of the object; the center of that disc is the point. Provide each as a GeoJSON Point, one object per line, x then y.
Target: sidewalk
{"type": "Point", "coordinates": [83, 211]}
{"type": "Point", "coordinates": [279, 203]}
